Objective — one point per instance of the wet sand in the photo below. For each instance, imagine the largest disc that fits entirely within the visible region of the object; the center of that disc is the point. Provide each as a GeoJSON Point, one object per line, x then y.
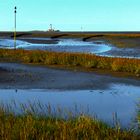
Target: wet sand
{"type": "Point", "coordinates": [20, 76]}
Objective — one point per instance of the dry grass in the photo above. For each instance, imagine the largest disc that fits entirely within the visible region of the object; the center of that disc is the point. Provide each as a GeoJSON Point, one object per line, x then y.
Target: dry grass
{"type": "Point", "coordinates": [32, 125]}
{"type": "Point", "coordinates": [89, 61]}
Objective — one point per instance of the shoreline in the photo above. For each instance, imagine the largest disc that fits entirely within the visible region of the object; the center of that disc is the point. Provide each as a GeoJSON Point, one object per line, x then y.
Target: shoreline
{"type": "Point", "coordinates": [21, 76]}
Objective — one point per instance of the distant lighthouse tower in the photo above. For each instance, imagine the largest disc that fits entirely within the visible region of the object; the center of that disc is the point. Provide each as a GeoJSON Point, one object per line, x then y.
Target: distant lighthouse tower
{"type": "Point", "coordinates": [51, 28]}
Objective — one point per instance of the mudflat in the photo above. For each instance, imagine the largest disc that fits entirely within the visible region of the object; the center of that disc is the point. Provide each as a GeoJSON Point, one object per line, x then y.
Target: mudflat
{"type": "Point", "coordinates": [21, 76]}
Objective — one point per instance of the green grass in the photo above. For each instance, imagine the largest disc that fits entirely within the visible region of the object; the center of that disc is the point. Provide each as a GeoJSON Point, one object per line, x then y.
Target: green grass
{"type": "Point", "coordinates": [33, 125]}
{"type": "Point", "coordinates": [89, 61]}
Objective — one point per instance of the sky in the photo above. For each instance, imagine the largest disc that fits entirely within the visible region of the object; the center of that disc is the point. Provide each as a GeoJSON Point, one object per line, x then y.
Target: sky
{"type": "Point", "coordinates": [71, 15]}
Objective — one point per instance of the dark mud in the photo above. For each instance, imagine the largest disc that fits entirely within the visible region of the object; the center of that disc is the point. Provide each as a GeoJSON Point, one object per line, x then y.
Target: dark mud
{"type": "Point", "coordinates": [22, 76]}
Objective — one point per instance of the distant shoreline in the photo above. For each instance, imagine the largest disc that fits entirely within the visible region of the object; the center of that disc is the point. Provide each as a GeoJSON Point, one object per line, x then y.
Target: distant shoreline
{"type": "Point", "coordinates": [70, 33]}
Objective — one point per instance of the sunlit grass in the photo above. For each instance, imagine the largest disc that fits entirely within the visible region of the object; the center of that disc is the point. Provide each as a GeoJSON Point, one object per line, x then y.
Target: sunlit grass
{"type": "Point", "coordinates": [72, 59]}
{"type": "Point", "coordinates": [38, 122]}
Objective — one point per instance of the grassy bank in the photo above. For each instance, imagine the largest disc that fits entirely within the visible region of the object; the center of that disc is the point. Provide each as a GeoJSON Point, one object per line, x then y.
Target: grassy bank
{"type": "Point", "coordinates": [89, 61]}
{"type": "Point", "coordinates": [32, 125]}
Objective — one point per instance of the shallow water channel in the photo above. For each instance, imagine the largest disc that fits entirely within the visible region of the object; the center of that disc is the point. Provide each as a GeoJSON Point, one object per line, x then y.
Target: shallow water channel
{"type": "Point", "coordinates": [119, 99]}
{"type": "Point", "coordinates": [100, 48]}
{"type": "Point", "coordinates": [67, 45]}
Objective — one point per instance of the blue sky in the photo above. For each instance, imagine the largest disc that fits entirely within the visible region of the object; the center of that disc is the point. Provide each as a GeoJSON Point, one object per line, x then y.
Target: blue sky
{"type": "Point", "coordinates": [71, 15]}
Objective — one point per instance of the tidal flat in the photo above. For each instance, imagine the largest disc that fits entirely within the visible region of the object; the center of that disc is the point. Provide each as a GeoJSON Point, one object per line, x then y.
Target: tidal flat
{"type": "Point", "coordinates": [93, 94]}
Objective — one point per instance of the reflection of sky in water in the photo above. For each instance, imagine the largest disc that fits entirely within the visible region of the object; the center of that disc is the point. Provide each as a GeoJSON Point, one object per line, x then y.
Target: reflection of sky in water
{"type": "Point", "coordinates": [68, 45]}
{"type": "Point", "coordinates": [120, 99]}
{"type": "Point", "coordinates": [74, 45]}
{"type": "Point", "coordinates": [10, 43]}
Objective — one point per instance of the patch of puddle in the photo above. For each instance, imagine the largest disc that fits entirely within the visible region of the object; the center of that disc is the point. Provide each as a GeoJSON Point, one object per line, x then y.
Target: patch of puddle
{"type": "Point", "coordinates": [120, 99]}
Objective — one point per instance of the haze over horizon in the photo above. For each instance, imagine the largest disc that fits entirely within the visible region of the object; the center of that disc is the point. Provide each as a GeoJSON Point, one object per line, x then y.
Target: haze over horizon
{"type": "Point", "coordinates": [79, 15]}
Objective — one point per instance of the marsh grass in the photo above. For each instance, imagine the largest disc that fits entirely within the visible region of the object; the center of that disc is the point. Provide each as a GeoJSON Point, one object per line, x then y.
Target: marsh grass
{"type": "Point", "coordinates": [89, 61]}
{"type": "Point", "coordinates": [31, 124]}
{"type": "Point", "coordinates": [124, 40]}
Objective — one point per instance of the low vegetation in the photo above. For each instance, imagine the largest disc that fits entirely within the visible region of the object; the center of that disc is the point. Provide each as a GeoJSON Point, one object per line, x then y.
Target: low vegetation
{"type": "Point", "coordinates": [72, 59]}
{"type": "Point", "coordinates": [35, 125]}
{"type": "Point", "coordinates": [123, 41]}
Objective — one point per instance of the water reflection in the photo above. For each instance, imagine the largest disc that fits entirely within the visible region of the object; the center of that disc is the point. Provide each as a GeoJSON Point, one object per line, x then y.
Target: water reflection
{"type": "Point", "coordinates": [120, 99]}
{"type": "Point", "coordinates": [67, 45]}
{"type": "Point", "coordinates": [73, 45]}
{"type": "Point", "coordinates": [9, 43]}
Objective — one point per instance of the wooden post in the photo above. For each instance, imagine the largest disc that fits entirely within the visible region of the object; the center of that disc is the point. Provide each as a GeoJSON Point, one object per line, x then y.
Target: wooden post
{"type": "Point", "coordinates": [15, 28]}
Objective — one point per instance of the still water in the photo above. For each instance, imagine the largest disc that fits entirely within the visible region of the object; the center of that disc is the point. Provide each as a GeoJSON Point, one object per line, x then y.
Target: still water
{"type": "Point", "coordinates": [120, 98]}
{"type": "Point", "coordinates": [62, 45]}
{"type": "Point", "coordinates": [100, 48]}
